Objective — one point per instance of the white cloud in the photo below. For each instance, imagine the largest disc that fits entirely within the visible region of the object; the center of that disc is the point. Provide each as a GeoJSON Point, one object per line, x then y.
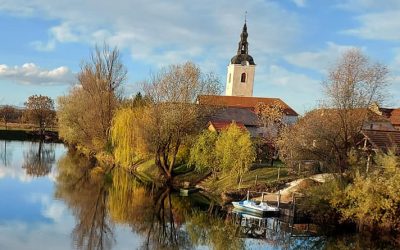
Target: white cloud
{"type": "Point", "coordinates": [371, 5]}
{"type": "Point", "coordinates": [30, 73]}
{"type": "Point", "coordinates": [298, 90]}
{"type": "Point", "coordinates": [378, 26]}
{"type": "Point", "coordinates": [300, 3]}
{"type": "Point", "coordinates": [163, 33]}
{"type": "Point", "coordinates": [320, 60]}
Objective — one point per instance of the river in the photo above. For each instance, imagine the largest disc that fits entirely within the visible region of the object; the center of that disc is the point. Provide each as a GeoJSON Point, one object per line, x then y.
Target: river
{"type": "Point", "coordinates": [54, 199]}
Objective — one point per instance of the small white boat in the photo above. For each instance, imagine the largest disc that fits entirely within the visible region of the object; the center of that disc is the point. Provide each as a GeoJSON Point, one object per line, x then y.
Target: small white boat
{"type": "Point", "coordinates": [249, 205]}
{"type": "Point", "coordinates": [252, 206]}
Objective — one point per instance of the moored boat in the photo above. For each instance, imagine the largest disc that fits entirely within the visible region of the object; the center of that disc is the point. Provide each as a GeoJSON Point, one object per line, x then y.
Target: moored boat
{"type": "Point", "coordinates": [254, 207]}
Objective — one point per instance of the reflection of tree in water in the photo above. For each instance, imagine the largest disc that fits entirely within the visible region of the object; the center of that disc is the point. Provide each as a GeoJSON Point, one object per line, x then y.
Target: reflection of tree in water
{"type": "Point", "coordinates": [5, 154]}
{"type": "Point", "coordinates": [84, 188]}
{"type": "Point", "coordinates": [280, 232]}
{"type": "Point", "coordinates": [157, 217]}
{"type": "Point", "coordinates": [39, 159]}
{"type": "Point", "coordinates": [213, 231]}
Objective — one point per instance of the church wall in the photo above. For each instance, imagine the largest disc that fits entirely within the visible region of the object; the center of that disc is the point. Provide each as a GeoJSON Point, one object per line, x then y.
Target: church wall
{"type": "Point", "coordinates": [234, 86]}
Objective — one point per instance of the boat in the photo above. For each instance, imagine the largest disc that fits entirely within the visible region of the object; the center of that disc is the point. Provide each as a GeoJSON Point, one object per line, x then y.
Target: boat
{"type": "Point", "coordinates": [254, 207]}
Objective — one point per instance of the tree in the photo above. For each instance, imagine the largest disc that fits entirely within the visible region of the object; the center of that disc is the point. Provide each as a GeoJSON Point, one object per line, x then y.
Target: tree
{"type": "Point", "coordinates": [8, 114]}
{"type": "Point", "coordinates": [40, 110]}
{"type": "Point", "coordinates": [171, 116]}
{"type": "Point", "coordinates": [354, 83]}
{"type": "Point", "coordinates": [128, 138]}
{"type": "Point", "coordinates": [270, 115]}
{"type": "Point", "coordinates": [85, 114]}
{"type": "Point", "coordinates": [372, 200]}
{"type": "Point", "coordinates": [230, 152]}
{"type": "Point", "coordinates": [202, 153]}
{"type": "Point", "coordinates": [235, 151]}
{"type": "Point", "coordinates": [329, 133]}
{"type": "Point", "coordinates": [271, 119]}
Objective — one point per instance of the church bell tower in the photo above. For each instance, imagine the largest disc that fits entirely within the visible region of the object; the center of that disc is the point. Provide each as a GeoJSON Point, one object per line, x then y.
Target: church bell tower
{"type": "Point", "coordinates": [241, 69]}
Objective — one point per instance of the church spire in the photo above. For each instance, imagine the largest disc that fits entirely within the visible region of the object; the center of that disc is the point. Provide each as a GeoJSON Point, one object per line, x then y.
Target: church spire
{"type": "Point", "coordinates": [242, 55]}
{"type": "Point", "coordinates": [243, 44]}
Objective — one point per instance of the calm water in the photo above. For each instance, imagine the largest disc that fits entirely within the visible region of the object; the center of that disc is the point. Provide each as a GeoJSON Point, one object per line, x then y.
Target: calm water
{"type": "Point", "coordinates": [52, 199]}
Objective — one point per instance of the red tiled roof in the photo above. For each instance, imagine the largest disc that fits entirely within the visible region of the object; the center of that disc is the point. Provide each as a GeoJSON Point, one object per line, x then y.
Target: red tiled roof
{"type": "Point", "coordinates": [243, 116]}
{"type": "Point", "coordinates": [392, 114]}
{"type": "Point", "coordinates": [395, 117]}
{"type": "Point", "coordinates": [243, 102]}
{"type": "Point", "coordinates": [384, 139]}
{"type": "Point", "coordinates": [220, 125]}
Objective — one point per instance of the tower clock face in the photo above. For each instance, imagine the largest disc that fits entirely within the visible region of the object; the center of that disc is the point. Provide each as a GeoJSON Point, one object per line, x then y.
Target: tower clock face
{"type": "Point", "coordinates": [245, 63]}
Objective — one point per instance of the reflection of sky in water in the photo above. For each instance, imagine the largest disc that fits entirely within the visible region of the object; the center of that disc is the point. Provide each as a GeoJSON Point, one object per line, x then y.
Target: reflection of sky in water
{"type": "Point", "coordinates": [13, 156]}
{"type": "Point", "coordinates": [30, 217]}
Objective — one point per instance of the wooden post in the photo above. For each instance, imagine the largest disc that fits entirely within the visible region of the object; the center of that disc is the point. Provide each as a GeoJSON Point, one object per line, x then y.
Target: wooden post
{"type": "Point", "coordinates": [368, 162]}
{"type": "Point", "coordinates": [262, 197]}
{"type": "Point", "coordinates": [255, 182]}
{"type": "Point", "coordinates": [293, 204]}
{"type": "Point", "coordinates": [299, 167]}
{"type": "Point", "coordinates": [279, 198]}
{"type": "Point", "coordinates": [279, 171]}
{"type": "Point", "coordinates": [248, 195]}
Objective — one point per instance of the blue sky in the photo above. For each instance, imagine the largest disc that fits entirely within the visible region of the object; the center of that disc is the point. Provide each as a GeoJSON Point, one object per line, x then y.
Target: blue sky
{"type": "Point", "coordinates": [293, 42]}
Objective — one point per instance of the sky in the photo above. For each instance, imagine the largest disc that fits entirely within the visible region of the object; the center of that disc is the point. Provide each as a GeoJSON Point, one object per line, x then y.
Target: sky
{"type": "Point", "coordinates": [293, 42]}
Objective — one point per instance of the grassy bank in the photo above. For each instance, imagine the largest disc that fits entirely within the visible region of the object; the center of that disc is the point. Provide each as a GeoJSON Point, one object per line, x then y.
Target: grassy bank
{"type": "Point", "coordinates": [253, 179]}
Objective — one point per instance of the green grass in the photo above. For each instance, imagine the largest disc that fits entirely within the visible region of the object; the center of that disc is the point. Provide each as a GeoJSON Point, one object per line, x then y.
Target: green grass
{"type": "Point", "coordinates": [148, 167]}
{"type": "Point", "coordinates": [229, 182]}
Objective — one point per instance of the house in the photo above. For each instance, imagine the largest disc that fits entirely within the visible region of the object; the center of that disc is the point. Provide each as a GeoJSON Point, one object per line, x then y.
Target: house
{"type": "Point", "coordinates": [242, 110]}
{"type": "Point", "coordinates": [391, 115]}
{"type": "Point", "coordinates": [381, 140]}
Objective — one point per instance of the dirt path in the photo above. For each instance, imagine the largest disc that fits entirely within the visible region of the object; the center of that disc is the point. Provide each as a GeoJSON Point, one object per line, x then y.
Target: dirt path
{"type": "Point", "coordinates": [292, 187]}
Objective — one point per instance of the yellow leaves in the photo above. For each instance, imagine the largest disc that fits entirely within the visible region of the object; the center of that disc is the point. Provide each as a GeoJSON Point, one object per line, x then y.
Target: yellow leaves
{"type": "Point", "coordinates": [374, 199]}
{"type": "Point", "coordinates": [127, 136]}
{"type": "Point", "coordinates": [235, 150]}
{"type": "Point", "coordinates": [97, 173]}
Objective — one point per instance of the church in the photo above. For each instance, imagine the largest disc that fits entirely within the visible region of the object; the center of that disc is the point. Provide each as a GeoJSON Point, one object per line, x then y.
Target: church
{"type": "Point", "coordinates": [239, 104]}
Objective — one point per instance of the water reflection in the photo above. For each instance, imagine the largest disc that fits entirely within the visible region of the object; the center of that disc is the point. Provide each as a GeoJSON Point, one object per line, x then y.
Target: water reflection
{"type": "Point", "coordinates": [101, 197]}
{"type": "Point", "coordinates": [5, 153]}
{"type": "Point", "coordinates": [85, 189]}
{"type": "Point", "coordinates": [280, 232]}
{"type": "Point", "coordinates": [39, 159]}
{"type": "Point", "coordinates": [101, 207]}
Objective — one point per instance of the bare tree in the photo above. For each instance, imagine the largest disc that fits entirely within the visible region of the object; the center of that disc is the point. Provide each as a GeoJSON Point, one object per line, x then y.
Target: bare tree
{"type": "Point", "coordinates": [172, 114]}
{"type": "Point", "coordinates": [328, 134]}
{"type": "Point", "coordinates": [355, 82]}
{"type": "Point", "coordinates": [85, 114]}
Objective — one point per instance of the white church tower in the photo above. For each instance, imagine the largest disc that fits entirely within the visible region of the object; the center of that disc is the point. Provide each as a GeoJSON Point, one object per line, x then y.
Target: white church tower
{"type": "Point", "coordinates": [241, 69]}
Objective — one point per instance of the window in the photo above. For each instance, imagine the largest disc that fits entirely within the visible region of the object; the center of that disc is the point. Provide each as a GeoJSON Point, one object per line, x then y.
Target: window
{"type": "Point", "coordinates": [229, 79]}
{"type": "Point", "coordinates": [243, 77]}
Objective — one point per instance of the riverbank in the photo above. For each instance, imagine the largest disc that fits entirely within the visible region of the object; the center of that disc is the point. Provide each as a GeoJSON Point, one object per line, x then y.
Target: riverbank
{"type": "Point", "coordinates": [28, 135]}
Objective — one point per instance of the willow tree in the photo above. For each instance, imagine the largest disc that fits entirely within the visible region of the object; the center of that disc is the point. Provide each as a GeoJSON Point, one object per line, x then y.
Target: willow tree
{"type": "Point", "coordinates": [235, 151]}
{"type": "Point", "coordinates": [168, 119]}
{"type": "Point", "coordinates": [202, 153]}
{"type": "Point", "coordinates": [127, 136]}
